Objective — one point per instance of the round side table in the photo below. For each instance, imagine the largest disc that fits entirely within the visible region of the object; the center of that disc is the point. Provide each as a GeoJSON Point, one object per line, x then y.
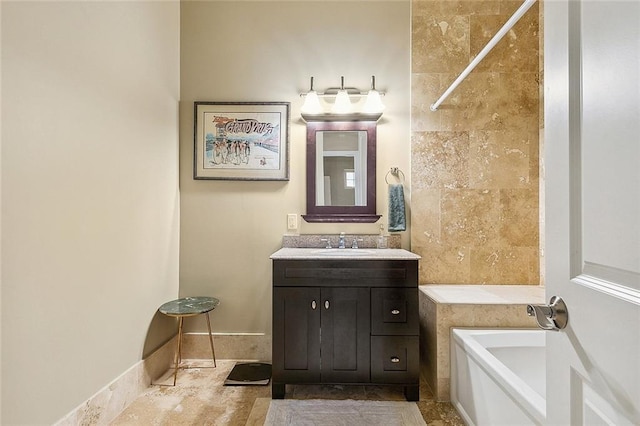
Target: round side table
{"type": "Point", "coordinates": [189, 307]}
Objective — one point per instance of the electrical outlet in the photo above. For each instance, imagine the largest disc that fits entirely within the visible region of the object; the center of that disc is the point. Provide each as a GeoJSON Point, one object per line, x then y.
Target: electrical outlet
{"type": "Point", "coordinates": [292, 221]}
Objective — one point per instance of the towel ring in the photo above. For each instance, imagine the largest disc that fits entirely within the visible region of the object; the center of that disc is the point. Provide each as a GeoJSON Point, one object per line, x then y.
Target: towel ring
{"type": "Point", "coordinates": [395, 172]}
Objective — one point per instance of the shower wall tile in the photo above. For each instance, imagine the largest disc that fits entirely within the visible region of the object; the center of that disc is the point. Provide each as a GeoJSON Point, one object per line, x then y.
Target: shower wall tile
{"type": "Point", "coordinates": [441, 43]}
{"type": "Point", "coordinates": [426, 204]}
{"type": "Point", "coordinates": [470, 217]}
{"type": "Point", "coordinates": [520, 97]}
{"type": "Point", "coordinates": [474, 105]}
{"type": "Point", "coordinates": [456, 7]}
{"type": "Point", "coordinates": [500, 159]}
{"type": "Point", "coordinates": [517, 51]}
{"type": "Point", "coordinates": [475, 161]}
{"type": "Point", "coordinates": [439, 160]}
{"type": "Point", "coordinates": [443, 264]}
{"type": "Point", "coordinates": [497, 265]}
{"type": "Point", "coordinates": [519, 217]}
{"type": "Point", "coordinates": [424, 88]}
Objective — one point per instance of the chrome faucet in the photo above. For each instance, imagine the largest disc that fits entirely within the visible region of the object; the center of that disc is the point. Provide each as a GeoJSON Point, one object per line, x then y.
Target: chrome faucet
{"type": "Point", "coordinates": [354, 244]}
{"type": "Point", "coordinates": [341, 241]}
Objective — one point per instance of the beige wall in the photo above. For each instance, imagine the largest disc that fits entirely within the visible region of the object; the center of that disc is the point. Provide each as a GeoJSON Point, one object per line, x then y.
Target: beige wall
{"type": "Point", "coordinates": [90, 209]}
{"type": "Point", "coordinates": [266, 51]}
{"type": "Point", "coordinates": [475, 161]}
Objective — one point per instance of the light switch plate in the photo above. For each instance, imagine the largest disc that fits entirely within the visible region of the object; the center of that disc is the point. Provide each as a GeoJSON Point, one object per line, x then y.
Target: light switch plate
{"type": "Point", "coordinates": [292, 221]}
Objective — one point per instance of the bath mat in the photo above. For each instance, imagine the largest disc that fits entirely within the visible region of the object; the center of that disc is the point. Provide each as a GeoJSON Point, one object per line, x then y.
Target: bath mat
{"type": "Point", "coordinates": [250, 373]}
{"type": "Point", "coordinates": [343, 412]}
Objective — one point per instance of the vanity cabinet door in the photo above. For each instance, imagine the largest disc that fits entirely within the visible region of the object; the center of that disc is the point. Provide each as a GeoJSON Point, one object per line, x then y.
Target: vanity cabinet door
{"type": "Point", "coordinates": [345, 344]}
{"type": "Point", "coordinates": [296, 334]}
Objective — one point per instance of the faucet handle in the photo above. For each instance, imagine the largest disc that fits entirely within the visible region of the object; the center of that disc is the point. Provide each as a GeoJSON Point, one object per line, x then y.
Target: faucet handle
{"type": "Point", "coordinates": [328, 241]}
{"type": "Point", "coordinates": [354, 245]}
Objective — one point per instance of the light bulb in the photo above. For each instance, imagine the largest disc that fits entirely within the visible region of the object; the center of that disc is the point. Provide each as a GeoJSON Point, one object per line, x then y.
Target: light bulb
{"type": "Point", "coordinates": [312, 103]}
{"type": "Point", "coordinates": [342, 104]}
{"type": "Point", "coordinates": [373, 103]}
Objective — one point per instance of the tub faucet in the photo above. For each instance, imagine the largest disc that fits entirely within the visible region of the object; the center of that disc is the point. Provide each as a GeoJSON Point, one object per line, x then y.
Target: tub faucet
{"type": "Point", "coordinates": [341, 241]}
{"type": "Point", "coordinates": [553, 316]}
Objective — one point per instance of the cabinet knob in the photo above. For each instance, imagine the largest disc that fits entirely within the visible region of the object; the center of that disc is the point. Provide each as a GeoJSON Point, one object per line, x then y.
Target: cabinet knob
{"type": "Point", "coordinates": [313, 305]}
{"type": "Point", "coordinates": [395, 312]}
{"type": "Point", "coordinates": [395, 359]}
{"type": "Point", "coordinates": [326, 304]}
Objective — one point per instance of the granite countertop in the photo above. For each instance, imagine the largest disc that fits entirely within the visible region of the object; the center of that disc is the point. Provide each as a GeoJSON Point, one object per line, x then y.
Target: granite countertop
{"type": "Point", "coordinates": [347, 253]}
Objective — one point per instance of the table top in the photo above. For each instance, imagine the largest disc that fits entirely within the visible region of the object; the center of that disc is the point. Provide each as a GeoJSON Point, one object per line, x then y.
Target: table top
{"type": "Point", "coordinates": [189, 306]}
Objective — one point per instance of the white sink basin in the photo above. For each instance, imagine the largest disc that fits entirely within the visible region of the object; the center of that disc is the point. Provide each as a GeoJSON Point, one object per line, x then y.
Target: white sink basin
{"type": "Point", "coordinates": [343, 252]}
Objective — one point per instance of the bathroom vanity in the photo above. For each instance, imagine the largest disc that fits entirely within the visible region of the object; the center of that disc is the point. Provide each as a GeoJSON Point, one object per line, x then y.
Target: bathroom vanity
{"type": "Point", "coordinates": [345, 316]}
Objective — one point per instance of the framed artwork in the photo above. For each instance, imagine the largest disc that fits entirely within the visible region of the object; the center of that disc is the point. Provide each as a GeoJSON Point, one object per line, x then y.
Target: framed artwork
{"type": "Point", "coordinates": [241, 140]}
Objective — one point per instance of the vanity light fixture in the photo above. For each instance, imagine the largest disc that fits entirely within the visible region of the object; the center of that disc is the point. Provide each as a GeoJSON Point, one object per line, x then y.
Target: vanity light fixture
{"type": "Point", "coordinates": [347, 103]}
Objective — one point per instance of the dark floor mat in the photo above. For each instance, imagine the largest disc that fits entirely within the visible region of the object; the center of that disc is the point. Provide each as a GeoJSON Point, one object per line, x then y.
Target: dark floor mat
{"type": "Point", "coordinates": [250, 373]}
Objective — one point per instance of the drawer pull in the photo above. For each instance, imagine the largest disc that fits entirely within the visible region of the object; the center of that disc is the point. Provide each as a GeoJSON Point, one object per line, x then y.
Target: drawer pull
{"type": "Point", "coordinates": [313, 305]}
{"type": "Point", "coordinates": [395, 312]}
{"type": "Point", "coordinates": [326, 304]}
{"type": "Point", "coordinates": [395, 359]}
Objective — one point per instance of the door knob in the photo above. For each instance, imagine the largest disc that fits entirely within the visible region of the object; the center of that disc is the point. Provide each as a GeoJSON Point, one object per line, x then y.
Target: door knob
{"type": "Point", "coordinates": [553, 316]}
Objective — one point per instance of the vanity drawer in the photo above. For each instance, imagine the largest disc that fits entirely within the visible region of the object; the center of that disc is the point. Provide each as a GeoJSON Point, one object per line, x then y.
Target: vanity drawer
{"type": "Point", "coordinates": [395, 359]}
{"type": "Point", "coordinates": [341, 273]}
{"type": "Point", "coordinates": [394, 311]}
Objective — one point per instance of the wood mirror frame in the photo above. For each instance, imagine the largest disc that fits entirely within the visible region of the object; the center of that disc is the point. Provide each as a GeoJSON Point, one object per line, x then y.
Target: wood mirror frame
{"type": "Point", "coordinates": [362, 213]}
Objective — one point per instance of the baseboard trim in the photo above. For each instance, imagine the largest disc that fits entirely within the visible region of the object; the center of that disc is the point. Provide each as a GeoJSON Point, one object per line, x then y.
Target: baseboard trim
{"type": "Point", "coordinates": [239, 346]}
{"type": "Point", "coordinates": [106, 404]}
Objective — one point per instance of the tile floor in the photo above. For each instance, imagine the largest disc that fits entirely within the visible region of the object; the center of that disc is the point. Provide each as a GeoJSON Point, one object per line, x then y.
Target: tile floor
{"type": "Point", "coordinates": [200, 398]}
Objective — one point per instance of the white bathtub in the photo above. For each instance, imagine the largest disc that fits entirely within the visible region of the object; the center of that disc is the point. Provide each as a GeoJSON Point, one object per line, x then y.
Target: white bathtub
{"type": "Point", "coordinates": [498, 376]}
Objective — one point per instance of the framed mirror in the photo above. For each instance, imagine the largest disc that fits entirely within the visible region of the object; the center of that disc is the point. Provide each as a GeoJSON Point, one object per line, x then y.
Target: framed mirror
{"type": "Point", "coordinates": [341, 171]}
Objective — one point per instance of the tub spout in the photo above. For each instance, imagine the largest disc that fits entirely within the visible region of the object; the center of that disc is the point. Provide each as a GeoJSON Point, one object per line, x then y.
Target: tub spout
{"type": "Point", "coordinates": [543, 315]}
{"type": "Point", "coordinates": [553, 316]}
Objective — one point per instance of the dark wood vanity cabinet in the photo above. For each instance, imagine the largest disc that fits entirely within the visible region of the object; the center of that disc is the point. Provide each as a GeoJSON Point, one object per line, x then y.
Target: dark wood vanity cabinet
{"type": "Point", "coordinates": [345, 322]}
{"type": "Point", "coordinates": [331, 321]}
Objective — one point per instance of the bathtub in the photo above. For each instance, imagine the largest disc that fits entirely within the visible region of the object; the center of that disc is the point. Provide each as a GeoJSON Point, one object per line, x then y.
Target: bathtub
{"type": "Point", "coordinates": [498, 376]}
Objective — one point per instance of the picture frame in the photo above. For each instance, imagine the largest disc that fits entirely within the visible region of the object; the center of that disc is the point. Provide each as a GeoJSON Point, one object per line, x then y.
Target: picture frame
{"type": "Point", "coordinates": [241, 140]}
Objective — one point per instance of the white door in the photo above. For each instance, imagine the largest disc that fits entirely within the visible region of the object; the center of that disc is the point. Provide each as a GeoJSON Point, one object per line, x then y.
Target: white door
{"type": "Point", "coordinates": [592, 213]}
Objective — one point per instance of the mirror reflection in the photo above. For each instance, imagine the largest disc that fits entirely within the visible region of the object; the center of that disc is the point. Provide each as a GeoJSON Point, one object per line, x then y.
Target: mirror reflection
{"type": "Point", "coordinates": [341, 171]}
{"type": "Point", "coordinates": [341, 164]}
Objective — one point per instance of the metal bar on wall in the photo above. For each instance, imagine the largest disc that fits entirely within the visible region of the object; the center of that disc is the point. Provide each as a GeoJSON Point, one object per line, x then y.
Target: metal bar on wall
{"type": "Point", "coordinates": [526, 5]}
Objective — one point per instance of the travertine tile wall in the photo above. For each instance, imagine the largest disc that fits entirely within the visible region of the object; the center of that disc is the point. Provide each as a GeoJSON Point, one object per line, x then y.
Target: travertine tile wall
{"type": "Point", "coordinates": [475, 162]}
